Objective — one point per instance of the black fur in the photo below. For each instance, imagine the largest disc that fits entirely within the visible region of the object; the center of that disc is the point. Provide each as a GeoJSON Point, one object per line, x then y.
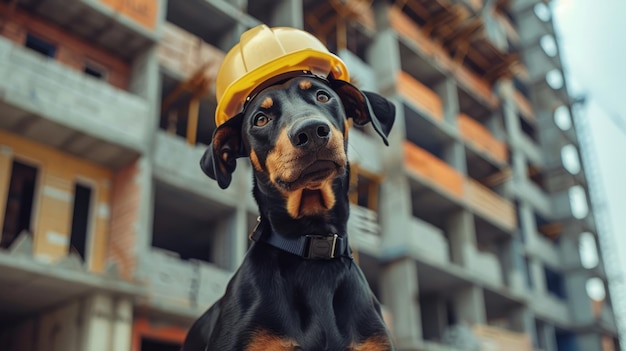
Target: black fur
{"type": "Point", "coordinates": [322, 305]}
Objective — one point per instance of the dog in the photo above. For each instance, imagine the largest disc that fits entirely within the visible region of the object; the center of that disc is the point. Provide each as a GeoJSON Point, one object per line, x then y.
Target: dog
{"type": "Point", "coordinates": [297, 288]}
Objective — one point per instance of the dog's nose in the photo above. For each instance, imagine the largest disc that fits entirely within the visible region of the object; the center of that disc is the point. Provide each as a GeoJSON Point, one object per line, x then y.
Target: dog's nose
{"type": "Point", "coordinates": [310, 132]}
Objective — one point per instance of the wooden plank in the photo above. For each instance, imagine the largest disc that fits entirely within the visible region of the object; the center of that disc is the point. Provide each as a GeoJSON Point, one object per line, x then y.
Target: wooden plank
{"type": "Point", "coordinates": [481, 138]}
{"type": "Point", "coordinates": [489, 204]}
{"type": "Point", "coordinates": [420, 95]}
{"type": "Point", "coordinates": [192, 120]}
{"type": "Point", "coordinates": [433, 170]}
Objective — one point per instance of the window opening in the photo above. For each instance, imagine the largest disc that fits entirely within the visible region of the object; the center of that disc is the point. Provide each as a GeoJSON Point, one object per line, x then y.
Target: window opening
{"type": "Point", "coordinates": [19, 203]}
{"type": "Point", "coordinates": [80, 219]}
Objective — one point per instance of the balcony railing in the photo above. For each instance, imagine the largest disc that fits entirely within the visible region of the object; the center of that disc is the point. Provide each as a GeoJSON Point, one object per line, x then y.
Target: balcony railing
{"type": "Point", "coordinates": [408, 29]}
{"type": "Point", "coordinates": [428, 241]}
{"type": "Point", "coordinates": [432, 170]}
{"type": "Point", "coordinates": [69, 110]}
{"type": "Point", "coordinates": [363, 229]}
{"type": "Point", "coordinates": [178, 283]}
{"type": "Point", "coordinates": [480, 137]}
{"type": "Point", "coordinates": [490, 205]}
{"type": "Point", "coordinates": [494, 338]}
{"type": "Point", "coordinates": [420, 95]}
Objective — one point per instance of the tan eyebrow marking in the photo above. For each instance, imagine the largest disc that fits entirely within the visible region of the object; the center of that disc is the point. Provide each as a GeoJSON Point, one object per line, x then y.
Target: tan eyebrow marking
{"type": "Point", "coordinates": [267, 103]}
{"type": "Point", "coordinates": [305, 84]}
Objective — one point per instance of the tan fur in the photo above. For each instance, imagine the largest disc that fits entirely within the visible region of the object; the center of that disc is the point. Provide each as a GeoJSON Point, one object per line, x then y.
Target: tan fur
{"type": "Point", "coordinates": [305, 84]}
{"type": "Point", "coordinates": [263, 340]}
{"type": "Point", "coordinates": [373, 343]}
{"type": "Point", "coordinates": [282, 165]}
{"type": "Point", "coordinates": [255, 161]}
{"type": "Point", "coordinates": [267, 103]}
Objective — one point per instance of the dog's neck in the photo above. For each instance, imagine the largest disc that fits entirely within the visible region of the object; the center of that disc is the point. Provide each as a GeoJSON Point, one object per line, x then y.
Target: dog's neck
{"type": "Point", "coordinates": [276, 218]}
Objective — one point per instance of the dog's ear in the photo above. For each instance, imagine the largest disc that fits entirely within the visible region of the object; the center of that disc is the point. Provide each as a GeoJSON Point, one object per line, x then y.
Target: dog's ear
{"type": "Point", "coordinates": [364, 107]}
{"type": "Point", "coordinates": [220, 159]}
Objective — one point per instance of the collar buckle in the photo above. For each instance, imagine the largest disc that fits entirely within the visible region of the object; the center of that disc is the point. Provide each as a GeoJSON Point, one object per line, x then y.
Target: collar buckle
{"type": "Point", "coordinates": [321, 247]}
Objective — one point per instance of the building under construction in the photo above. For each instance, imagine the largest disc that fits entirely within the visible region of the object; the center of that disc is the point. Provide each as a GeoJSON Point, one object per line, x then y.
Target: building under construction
{"type": "Point", "coordinates": [473, 228]}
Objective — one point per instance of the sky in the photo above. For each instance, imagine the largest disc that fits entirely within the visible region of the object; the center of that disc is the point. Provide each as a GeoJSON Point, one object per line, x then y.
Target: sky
{"type": "Point", "coordinates": [593, 51]}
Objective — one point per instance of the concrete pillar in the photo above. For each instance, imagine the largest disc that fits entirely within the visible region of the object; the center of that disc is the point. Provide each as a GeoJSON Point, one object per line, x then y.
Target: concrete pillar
{"type": "Point", "coordinates": [107, 324]}
{"type": "Point", "coordinates": [122, 325]}
{"type": "Point", "coordinates": [461, 231]}
{"type": "Point", "coordinates": [589, 342]}
{"type": "Point", "coordinates": [510, 253]}
{"type": "Point", "coordinates": [434, 314]}
{"type": "Point", "coordinates": [394, 210]}
{"type": "Point", "coordinates": [454, 155]}
{"type": "Point", "coordinates": [577, 298]}
{"type": "Point", "coordinates": [549, 337]}
{"type": "Point", "coordinates": [286, 13]}
{"type": "Point", "coordinates": [447, 90]}
{"type": "Point", "coordinates": [527, 223]}
{"type": "Point", "coordinates": [538, 275]}
{"type": "Point", "coordinates": [469, 305]}
{"type": "Point", "coordinates": [522, 320]}
{"type": "Point", "coordinates": [402, 301]}
{"type": "Point", "coordinates": [384, 54]}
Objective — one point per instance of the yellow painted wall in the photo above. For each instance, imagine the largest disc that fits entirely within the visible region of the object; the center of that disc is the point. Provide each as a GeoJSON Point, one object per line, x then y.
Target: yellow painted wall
{"type": "Point", "coordinates": [53, 205]}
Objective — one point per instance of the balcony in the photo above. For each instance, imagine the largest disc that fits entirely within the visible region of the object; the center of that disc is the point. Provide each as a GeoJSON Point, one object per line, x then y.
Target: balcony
{"type": "Point", "coordinates": [482, 140]}
{"type": "Point", "coordinates": [428, 59]}
{"type": "Point", "coordinates": [432, 170]}
{"type": "Point", "coordinates": [490, 205]}
{"type": "Point", "coordinates": [501, 339]}
{"type": "Point", "coordinates": [124, 28]}
{"type": "Point", "coordinates": [53, 104]}
{"type": "Point", "coordinates": [484, 265]}
{"type": "Point", "coordinates": [24, 279]}
{"type": "Point", "coordinates": [177, 163]}
{"type": "Point", "coordinates": [427, 242]}
{"type": "Point", "coordinates": [420, 96]}
{"type": "Point", "coordinates": [411, 32]}
{"type": "Point", "coordinates": [363, 230]}
{"type": "Point", "coordinates": [191, 286]}
{"type": "Point", "coordinates": [550, 308]}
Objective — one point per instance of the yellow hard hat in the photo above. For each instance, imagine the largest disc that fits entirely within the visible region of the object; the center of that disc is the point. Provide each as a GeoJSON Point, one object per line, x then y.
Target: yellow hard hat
{"type": "Point", "coordinates": [263, 53]}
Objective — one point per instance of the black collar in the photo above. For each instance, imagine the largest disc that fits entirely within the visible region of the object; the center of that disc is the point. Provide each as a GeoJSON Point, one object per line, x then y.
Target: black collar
{"type": "Point", "coordinates": [313, 247]}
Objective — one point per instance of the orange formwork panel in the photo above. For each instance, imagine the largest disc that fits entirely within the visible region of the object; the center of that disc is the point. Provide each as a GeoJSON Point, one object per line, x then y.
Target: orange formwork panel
{"type": "Point", "coordinates": [408, 29]}
{"type": "Point", "coordinates": [143, 329]}
{"type": "Point", "coordinates": [419, 95]}
{"type": "Point", "coordinates": [489, 204]}
{"type": "Point", "coordinates": [480, 137]}
{"type": "Point", "coordinates": [473, 83]}
{"type": "Point", "coordinates": [433, 170]}
{"type": "Point", "coordinates": [501, 339]}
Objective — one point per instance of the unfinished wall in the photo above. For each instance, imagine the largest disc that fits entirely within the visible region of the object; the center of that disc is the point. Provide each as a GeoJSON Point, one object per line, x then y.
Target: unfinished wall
{"type": "Point", "coordinates": [71, 50]}
{"type": "Point", "coordinates": [94, 323]}
{"type": "Point", "coordinates": [125, 198]}
{"type": "Point", "coordinates": [53, 199]}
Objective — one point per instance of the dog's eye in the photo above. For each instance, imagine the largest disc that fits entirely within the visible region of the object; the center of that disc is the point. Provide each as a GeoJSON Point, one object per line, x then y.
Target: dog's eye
{"type": "Point", "coordinates": [322, 96]}
{"type": "Point", "coordinates": [260, 120]}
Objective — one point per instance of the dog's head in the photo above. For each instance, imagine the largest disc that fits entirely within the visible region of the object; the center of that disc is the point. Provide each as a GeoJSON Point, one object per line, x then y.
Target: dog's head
{"type": "Point", "coordinates": [295, 134]}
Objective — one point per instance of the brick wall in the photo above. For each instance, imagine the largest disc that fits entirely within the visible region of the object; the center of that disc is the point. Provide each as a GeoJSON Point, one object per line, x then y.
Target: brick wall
{"type": "Point", "coordinates": [125, 197]}
{"type": "Point", "coordinates": [71, 50]}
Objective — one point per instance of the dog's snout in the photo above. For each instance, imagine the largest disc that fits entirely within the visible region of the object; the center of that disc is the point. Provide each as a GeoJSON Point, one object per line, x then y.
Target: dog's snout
{"type": "Point", "coordinates": [310, 133]}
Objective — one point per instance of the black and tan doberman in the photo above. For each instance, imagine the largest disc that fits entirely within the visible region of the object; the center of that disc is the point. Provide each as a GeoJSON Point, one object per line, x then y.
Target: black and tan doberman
{"type": "Point", "coordinates": [297, 288]}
